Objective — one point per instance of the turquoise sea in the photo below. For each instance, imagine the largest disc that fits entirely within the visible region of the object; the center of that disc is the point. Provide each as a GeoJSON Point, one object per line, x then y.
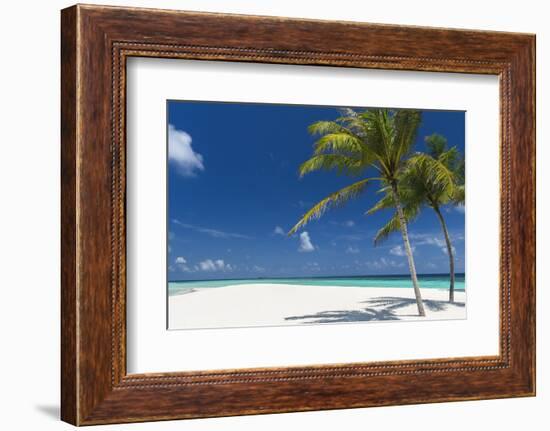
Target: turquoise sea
{"type": "Point", "coordinates": [427, 281]}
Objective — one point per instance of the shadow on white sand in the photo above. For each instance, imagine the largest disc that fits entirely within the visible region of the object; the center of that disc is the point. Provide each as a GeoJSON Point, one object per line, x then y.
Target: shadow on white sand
{"type": "Point", "coordinates": [378, 309]}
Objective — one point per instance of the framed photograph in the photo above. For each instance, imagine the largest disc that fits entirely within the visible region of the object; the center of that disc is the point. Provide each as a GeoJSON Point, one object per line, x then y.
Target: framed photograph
{"type": "Point", "coordinates": [266, 215]}
{"type": "Point", "coordinates": [274, 265]}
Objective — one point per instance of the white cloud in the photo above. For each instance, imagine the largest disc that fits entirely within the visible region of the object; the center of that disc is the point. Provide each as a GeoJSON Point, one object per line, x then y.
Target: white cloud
{"type": "Point", "coordinates": [305, 243]}
{"type": "Point", "coordinates": [393, 263]}
{"type": "Point", "coordinates": [312, 266]}
{"type": "Point", "coordinates": [446, 251]}
{"type": "Point", "coordinates": [181, 264]}
{"type": "Point", "coordinates": [181, 152]}
{"type": "Point", "coordinates": [426, 239]}
{"type": "Point", "coordinates": [384, 263]}
{"type": "Point", "coordinates": [214, 265]}
{"type": "Point", "coordinates": [214, 233]}
{"type": "Point", "coordinates": [352, 250]}
{"type": "Point", "coordinates": [207, 265]}
{"type": "Point", "coordinates": [279, 231]}
{"type": "Point", "coordinates": [346, 223]}
{"type": "Point", "coordinates": [171, 236]}
{"type": "Point", "coordinates": [399, 250]}
{"type": "Point", "coordinates": [353, 237]}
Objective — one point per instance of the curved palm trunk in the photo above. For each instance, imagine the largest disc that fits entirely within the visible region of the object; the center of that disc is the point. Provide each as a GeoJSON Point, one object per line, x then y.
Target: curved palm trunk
{"type": "Point", "coordinates": [449, 252]}
{"type": "Point", "coordinates": [408, 250]}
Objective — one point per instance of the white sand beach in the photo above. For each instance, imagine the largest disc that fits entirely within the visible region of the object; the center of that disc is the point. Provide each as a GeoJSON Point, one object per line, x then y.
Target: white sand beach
{"type": "Point", "coordinates": [281, 304]}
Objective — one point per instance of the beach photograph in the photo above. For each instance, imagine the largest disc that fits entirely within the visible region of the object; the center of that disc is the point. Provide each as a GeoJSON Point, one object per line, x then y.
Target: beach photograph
{"type": "Point", "coordinates": [281, 215]}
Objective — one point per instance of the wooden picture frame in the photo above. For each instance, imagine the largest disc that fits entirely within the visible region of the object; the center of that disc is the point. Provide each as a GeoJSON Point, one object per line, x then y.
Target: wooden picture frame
{"type": "Point", "coordinates": [95, 43]}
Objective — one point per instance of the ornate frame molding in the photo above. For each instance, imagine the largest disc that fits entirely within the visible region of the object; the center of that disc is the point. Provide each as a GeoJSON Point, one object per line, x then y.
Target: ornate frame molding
{"type": "Point", "coordinates": [96, 41]}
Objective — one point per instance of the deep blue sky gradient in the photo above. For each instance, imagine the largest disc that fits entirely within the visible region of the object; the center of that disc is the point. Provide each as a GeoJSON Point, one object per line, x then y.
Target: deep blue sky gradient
{"type": "Point", "coordinates": [250, 185]}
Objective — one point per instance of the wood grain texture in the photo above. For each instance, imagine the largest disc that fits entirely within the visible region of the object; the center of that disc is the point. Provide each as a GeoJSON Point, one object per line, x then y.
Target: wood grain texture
{"type": "Point", "coordinates": [69, 331]}
{"type": "Point", "coordinates": [96, 41]}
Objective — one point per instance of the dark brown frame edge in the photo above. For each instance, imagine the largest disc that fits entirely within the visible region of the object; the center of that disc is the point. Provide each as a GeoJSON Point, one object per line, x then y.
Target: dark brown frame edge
{"type": "Point", "coordinates": [95, 43]}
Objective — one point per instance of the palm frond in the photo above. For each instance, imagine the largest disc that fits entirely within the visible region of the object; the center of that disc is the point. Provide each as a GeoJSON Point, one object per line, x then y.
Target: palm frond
{"type": "Point", "coordinates": [384, 203]}
{"type": "Point", "coordinates": [339, 142]}
{"type": "Point", "coordinates": [435, 172]}
{"type": "Point", "coordinates": [406, 126]}
{"type": "Point", "coordinates": [353, 121]}
{"type": "Point", "coordinates": [393, 225]}
{"type": "Point", "coordinates": [337, 198]}
{"type": "Point", "coordinates": [450, 158]}
{"type": "Point", "coordinates": [376, 132]}
{"type": "Point", "coordinates": [325, 127]}
{"type": "Point", "coordinates": [411, 194]}
{"type": "Point", "coordinates": [384, 232]}
{"type": "Point", "coordinates": [460, 169]}
{"type": "Point", "coordinates": [339, 162]}
{"type": "Point", "coordinates": [459, 195]}
{"type": "Point", "coordinates": [436, 144]}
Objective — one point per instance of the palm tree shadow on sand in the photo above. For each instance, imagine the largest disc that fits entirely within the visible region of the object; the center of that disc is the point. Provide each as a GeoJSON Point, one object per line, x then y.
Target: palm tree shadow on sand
{"type": "Point", "coordinates": [378, 309]}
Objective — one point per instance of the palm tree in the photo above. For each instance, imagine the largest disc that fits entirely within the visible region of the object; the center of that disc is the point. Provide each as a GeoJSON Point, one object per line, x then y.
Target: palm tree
{"type": "Point", "coordinates": [433, 179]}
{"type": "Point", "coordinates": [375, 138]}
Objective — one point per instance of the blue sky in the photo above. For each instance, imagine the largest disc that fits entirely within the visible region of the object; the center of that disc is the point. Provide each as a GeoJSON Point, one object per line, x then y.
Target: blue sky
{"type": "Point", "coordinates": [234, 192]}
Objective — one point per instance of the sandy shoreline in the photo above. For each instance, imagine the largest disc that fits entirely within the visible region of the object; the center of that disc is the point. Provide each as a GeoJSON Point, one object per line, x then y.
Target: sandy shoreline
{"type": "Point", "coordinates": [276, 305]}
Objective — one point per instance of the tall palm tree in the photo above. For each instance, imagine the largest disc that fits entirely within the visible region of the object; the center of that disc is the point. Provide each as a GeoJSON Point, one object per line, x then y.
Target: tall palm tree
{"type": "Point", "coordinates": [376, 138]}
{"type": "Point", "coordinates": [433, 179]}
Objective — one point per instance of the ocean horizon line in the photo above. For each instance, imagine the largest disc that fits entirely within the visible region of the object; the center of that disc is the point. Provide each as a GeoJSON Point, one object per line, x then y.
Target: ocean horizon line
{"type": "Point", "coordinates": [457, 274]}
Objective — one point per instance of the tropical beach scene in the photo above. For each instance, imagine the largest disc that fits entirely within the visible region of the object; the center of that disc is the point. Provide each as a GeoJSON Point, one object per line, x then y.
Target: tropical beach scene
{"type": "Point", "coordinates": [303, 215]}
